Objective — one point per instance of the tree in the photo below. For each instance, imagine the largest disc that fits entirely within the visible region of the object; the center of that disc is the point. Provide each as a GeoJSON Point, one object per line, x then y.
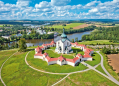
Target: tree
{"type": "Point", "coordinates": [76, 39]}
{"type": "Point", "coordinates": [22, 45]}
{"type": "Point", "coordinates": [64, 25]}
{"type": "Point", "coordinates": [72, 40]}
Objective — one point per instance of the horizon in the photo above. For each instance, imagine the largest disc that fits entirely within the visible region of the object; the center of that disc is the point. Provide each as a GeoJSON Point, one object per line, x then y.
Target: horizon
{"type": "Point", "coordinates": [55, 10]}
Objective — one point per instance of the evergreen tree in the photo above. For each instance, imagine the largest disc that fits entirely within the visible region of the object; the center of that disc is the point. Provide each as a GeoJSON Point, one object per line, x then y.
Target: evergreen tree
{"type": "Point", "coordinates": [22, 45]}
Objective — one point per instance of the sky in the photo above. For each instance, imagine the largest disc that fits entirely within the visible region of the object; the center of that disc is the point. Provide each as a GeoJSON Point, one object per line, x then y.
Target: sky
{"type": "Point", "coordinates": [58, 9]}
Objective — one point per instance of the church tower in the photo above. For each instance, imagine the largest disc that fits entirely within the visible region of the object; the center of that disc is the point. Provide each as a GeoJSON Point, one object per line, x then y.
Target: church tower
{"type": "Point", "coordinates": [63, 45]}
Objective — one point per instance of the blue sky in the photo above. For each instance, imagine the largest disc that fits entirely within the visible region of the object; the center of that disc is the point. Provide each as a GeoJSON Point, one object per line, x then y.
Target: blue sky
{"type": "Point", "coordinates": [58, 9]}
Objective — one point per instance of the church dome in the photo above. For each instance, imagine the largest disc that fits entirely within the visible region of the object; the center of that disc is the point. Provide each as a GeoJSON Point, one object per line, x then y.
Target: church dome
{"type": "Point", "coordinates": [64, 35]}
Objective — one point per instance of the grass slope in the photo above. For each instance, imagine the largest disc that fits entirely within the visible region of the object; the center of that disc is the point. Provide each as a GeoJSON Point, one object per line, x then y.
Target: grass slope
{"type": "Point", "coordinates": [42, 65]}
{"type": "Point", "coordinates": [90, 77]}
{"type": "Point", "coordinates": [3, 56]}
{"type": "Point", "coordinates": [108, 68]}
{"type": "Point", "coordinates": [96, 41]}
{"type": "Point", "coordinates": [68, 26]}
{"type": "Point", "coordinates": [96, 59]}
{"type": "Point", "coordinates": [16, 73]}
{"type": "Point", "coordinates": [100, 69]}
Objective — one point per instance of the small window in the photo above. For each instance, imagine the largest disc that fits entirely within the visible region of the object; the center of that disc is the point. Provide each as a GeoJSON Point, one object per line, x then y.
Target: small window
{"type": "Point", "coordinates": [62, 60]}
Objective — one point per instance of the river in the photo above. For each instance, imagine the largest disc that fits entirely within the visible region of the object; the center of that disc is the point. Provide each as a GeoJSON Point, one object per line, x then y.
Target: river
{"type": "Point", "coordinates": [39, 42]}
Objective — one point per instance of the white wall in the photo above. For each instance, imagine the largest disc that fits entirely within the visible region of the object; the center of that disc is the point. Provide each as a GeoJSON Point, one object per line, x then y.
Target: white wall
{"type": "Point", "coordinates": [87, 59]}
{"type": "Point", "coordinates": [39, 57]}
{"type": "Point", "coordinates": [52, 62]}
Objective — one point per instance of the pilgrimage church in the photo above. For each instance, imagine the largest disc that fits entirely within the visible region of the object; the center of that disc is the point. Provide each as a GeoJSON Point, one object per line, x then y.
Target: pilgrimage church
{"type": "Point", "coordinates": [63, 46]}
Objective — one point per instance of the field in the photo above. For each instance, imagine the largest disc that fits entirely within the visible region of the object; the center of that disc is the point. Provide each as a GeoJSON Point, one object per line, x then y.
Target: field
{"type": "Point", "coordinates": [81, 26]}
{"type": "Point", "coordinates": [3, 56]}
{"type": "Point", "coordinates": [96, 41]}
{"type": "Point", "coordinates": [68, 26]}
{"type": "Point", "coordinates": [108, 68]}
{"type": "Point", "coordinates": [113, 60]}
{"type": "Point", "coordinates": [89, 78]}
{"type": "Point", "coordinates": [96, 59]}
{"type": "Point", "coordinates": [2, 25]}
{"type": "Point", "coordinates": [15, 72]}
{"type": "Point", "coordinates": [100, 69]}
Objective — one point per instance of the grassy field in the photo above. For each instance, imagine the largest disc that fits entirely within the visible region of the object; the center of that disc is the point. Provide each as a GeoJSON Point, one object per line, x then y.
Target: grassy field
{"type": "Point", "coordinates": [105, 62]}
{"type": "Point", "coordinates": [89, 78]}
{"type": "Point", "coordinates": [16, 73]}
{"type": "Point", "coordinates": [3, 24]}
{"type": "Point", "coordinates": [3, 56]}
{"type": "Point", "coordinates": [96, 59]}
{"type": "Point", "coordinates": [42, 65]}
{"type": "Point", "coordinates": [102, 42]}
{"type": "Point", "coordinates": [67, 26]}
{"type": "Point", "coordinates": [100, 69]}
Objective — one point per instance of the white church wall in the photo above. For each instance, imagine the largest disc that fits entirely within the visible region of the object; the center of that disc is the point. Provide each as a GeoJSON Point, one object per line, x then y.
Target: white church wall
{"type": "Point", "coordinates": [52, 62]}
{"type": "Point", "coordinates": [87, 59]}
{"type": "Point", "coordinates": [70, 63]}
{"type": "Point", "coordinates": [39, 57]}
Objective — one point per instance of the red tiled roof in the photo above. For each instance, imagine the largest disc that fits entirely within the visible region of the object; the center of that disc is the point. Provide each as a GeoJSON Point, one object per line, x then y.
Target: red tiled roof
{"type": "Point", "coordinates": [38, 49]}
{"type": "Point", "coordinates": [61, 58]}
{"type": "Point", "coordinates": [79, 54]}
{"type": "Point", "coordinates": [52, 59]}
{"type": "Point", "coordinates": [86, 56]}
{"type": "Point", "coordinates": [45, 54]}
{"type": "Point", "coordinates": [70, 60]}
{"type": "Point", "coordinates": [48, 58]}
{"type": "Point", "coordinates": [75, 59]}
{"type": "Point", "coordinates": [38, 54]}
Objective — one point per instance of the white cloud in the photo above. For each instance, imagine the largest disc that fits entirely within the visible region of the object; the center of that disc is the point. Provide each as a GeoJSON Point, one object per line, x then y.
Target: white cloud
{"type": "Point", "coordinates": [93, 10]}
{"type": "Point", "coordinates": [43, 4]}
{"type": "Point", "coordinates": [60, 2]}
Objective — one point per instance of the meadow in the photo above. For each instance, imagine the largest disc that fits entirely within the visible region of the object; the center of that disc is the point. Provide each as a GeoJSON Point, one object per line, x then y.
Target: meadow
{"type": "Point", "coordinates": [15, 72]}
{"type": "Point", "coordinates": [3, 56]}
{"type": "Point", "coordinates": [88, 78]}
{"type": "Point", "coordinates": [95, 42]}
{"type": "Point", "coordinates": [68, 26]}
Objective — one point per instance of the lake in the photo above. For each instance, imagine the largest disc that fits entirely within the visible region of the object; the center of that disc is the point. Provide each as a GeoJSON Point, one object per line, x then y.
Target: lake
{"type": "Point", "coordinates": [39, 42]}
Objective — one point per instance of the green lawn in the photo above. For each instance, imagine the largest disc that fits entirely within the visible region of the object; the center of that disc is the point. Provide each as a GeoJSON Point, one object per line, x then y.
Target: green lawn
{"type": "Point", "coordinates": [96, 41]}
{"type": "Point", "coordinates": [16, 73]}
{"type": "Point", "coordinates": [3, 24]}
{"type": "Point", "coordinates": [105, 62]}
{"type": "Point", "coordinates": [100, 69]}
{"type": "Point", "coordinates": [96, 59]}
{"type": "Point", "coordinates": [42, 65]}
{"type": "Point", "coordinates": [53, 54]}
{"type": "Point", "coordinates": [67, 26]}
{"type": "Point", "coordinates": [88, 78]}
{"type": "Point", "coordinates": [3, 56]}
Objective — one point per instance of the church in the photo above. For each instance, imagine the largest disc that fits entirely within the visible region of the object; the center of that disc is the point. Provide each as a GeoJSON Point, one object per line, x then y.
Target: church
{"type": "Point", "coordinates": [63, 45]}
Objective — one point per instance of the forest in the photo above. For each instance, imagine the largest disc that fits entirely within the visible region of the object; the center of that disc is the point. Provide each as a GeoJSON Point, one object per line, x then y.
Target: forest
{"type": "Point", "coordinates": [101, 33]}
